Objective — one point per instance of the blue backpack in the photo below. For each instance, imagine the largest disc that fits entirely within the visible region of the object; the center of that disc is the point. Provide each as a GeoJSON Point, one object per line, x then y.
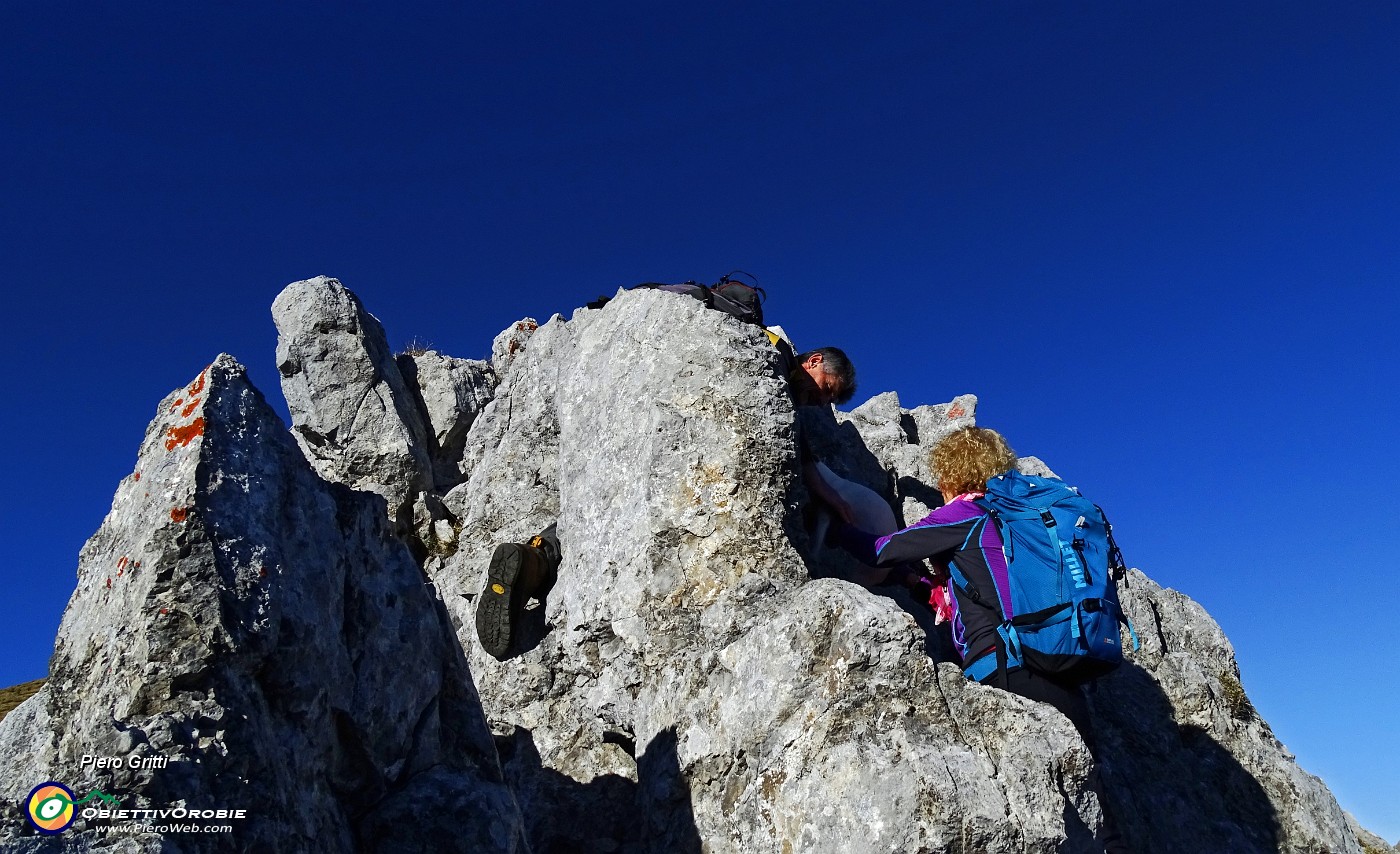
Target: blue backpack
{"type": "Point", "coordinates": [1063, 566]}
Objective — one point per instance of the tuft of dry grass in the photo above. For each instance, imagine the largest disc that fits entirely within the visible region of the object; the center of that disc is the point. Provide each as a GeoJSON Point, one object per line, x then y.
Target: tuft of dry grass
{"type": "Point", "coordinates": [417, 347]}
{"type": "Point", "coordinates": [16, 694]}
{"type": "Point", "coordinates": [1236, 701]}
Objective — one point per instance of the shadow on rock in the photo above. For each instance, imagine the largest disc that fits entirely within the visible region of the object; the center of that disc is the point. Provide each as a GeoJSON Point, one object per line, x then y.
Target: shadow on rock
{"type": "Point", "coordinates": [611, 812]}
{"type": "Point", "coordinates": [841, 447]}
{"type": "Point", "coordinates": [1162, 778]}
{"type": "Point", "coordinates": [908, 487]}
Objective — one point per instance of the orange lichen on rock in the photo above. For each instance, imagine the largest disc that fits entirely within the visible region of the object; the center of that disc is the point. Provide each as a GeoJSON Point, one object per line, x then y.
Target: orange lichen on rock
{"type": "Point", "coordinates": [177, 404]}
{"type": "Point", "coordinates": [956, 412]}
{"type": "Point", "coordinates": [198, 385]}
{"type": "Point", "coordinates": [189, 410]}
{"type": "Point", "coordinates": [179, 514]}
{"type": "Point", "coordinates": [182, 436]}
{"type": "Point", "coordinates": [121, 564]}
{"type": "Point", "coordinates": [138, 477]}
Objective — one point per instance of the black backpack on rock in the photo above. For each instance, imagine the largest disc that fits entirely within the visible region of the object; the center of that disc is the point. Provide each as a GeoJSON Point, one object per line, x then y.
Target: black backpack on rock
{"type": "Point", "coordinates": [735, 298]}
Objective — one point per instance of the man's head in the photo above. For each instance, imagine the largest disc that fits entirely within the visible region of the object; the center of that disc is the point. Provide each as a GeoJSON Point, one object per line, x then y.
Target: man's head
{"type": "Point", "coordinates": [824, 376]}
{"type": "Point", "coordinates": [966, 459]}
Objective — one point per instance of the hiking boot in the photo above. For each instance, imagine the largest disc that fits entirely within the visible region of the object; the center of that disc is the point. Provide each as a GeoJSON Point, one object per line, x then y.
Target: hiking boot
{"type": "Point", "coordinates": [516, 574]}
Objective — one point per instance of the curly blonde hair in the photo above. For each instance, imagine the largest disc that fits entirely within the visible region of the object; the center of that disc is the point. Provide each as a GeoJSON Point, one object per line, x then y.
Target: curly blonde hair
{"type": "Point", "coordinates": [966, 459]}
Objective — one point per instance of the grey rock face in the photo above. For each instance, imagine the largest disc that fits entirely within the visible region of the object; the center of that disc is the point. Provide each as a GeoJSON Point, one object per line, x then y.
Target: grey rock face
{"type": "Point", "coordinates": [512, 341]}
{"type": "Point", "coordinates": [452, 393]}
{"type": "Point", "coordinates": [1184, 747]}
{"type": "Point", "coordinates": [900, 441]}
{"type": "Point", "coordinates": [352, 413]}
{"type": "Point", "coordinates": [1181, 745]}
{"type": "Point", "coordinates": [1370, 842]}
{"type": "Point", "coordinates": [695, 680]}
{"type": "Point", "coordinates": [684, 666]}
{"type": "Point", "coordinates": [682, 673]}
{"type": "Point", "coordinates": [242, 628]}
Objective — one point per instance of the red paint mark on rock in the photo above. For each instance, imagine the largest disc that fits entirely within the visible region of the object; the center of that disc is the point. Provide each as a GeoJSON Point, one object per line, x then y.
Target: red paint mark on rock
{"type": "Point", "coordinates": [182, 436]}
{"type": "Point", "coordinates": [138, 477]}
{"type": "Point", "coordinates": [109, 584]}
{"type": "Point", "coordinates": [956, 412]}
{"type": "Point", "coordinates": [165, 610]}
{"type": "Point", "coordinates": [179, 514]}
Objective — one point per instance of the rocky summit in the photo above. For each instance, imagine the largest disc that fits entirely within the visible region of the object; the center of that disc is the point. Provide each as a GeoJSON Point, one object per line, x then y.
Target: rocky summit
{"type": "Point", "coordinates": [271, 644]}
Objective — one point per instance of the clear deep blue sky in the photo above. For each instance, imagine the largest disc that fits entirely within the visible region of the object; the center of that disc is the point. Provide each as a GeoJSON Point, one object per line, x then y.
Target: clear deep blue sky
{"type": "Point", "coordinates": [1167, 231]}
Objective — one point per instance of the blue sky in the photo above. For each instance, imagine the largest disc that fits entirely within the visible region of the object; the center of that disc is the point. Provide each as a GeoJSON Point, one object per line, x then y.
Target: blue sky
{"type": "Point", "coordinates": [1168, 229]}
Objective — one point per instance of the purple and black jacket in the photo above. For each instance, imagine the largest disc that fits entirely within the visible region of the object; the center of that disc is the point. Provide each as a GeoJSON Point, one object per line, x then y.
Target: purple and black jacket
{"type": "Point", "coordinates": [957, 535]}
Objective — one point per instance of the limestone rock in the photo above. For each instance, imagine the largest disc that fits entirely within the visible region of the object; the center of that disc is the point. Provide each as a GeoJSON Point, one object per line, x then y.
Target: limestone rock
{"type": "Point", "coordinates": [897, 442]}
{"type": "Point", "coordinates": [1370, 842]}
{"type": "Point", "coordinates": [682, 666]}
{"type": "Point", "coordinates": [1185, 748]}
{"type": "Point", "coordinates": [352, 413]}
{"type": "Point", "coordinates": [1181, 744]}
{"type": "Point", "coordinates": [510, 342]}
{"type": "Point", "coordinates": [1033, 465]}
{"type": "Point", "coordinates": [694, 681]}
{"type": "Point", "coordinates": [452, 393]}
{"type": "Point", "coordinates": [240, 633]}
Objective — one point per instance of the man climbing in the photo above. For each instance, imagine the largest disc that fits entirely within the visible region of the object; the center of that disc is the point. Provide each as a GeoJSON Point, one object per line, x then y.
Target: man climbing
{"type": "Point", "coordinates": [819, 377]}
{"type": "Point", "coordinates": [519, 572]}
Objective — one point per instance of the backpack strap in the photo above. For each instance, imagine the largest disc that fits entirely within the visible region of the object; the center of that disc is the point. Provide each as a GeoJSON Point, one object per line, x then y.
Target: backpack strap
{"type": "Point", "coordinates": [982, 667]}
{"type": "Point", "coordinates": [1068, 557]}
{"type": "Point", "coordinates": [998, 660]}
{"type": "Point", "coordinates": [752, 283]}
{"type": "Point", "coordinates": [1117, 568]}
{"type": "Point", "coordinates": [1008, 646]}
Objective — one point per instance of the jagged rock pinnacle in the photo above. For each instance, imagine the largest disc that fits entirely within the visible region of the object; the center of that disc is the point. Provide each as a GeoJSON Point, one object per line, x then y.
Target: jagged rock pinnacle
{"type": "Point", "coordinates": [700, 677]}
{"type": "Point", "coordinates": [238, 640]}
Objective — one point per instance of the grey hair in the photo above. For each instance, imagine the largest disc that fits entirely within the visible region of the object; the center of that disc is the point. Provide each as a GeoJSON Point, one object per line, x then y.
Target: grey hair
{"type": "Point", "coordinates": [835, 362]}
